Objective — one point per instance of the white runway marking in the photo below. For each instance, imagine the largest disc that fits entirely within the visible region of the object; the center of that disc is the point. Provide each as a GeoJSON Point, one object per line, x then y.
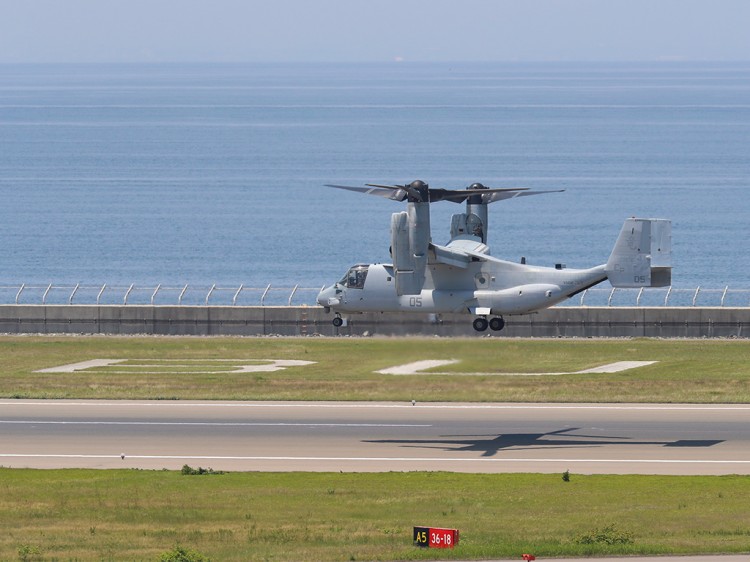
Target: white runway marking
{"type": "Point", "coordinates": [218, 424]}
{"type": "Point", "coordinates": [73, 367]}
{"type": "Point", "coordinates": [616, 367]}
{"type": "Point", "coordinates": [271, 365]}
{"type": "Point", "coordinates": [377, 459]}
{"type": "Point", "coordinates": [360, 405]}
{"type": "Point", "coordinates": [101, 366]}
{"type": "Point", "coordinates": [417, 368]}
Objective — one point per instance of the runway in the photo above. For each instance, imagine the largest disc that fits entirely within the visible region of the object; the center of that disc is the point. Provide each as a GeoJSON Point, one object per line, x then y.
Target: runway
{"type": "Point", "coordinates": [365, 437]}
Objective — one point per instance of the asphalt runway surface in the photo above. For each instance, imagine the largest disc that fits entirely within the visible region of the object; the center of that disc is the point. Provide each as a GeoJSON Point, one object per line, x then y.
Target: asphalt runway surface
{"type": "Point", "coordinates": [366, 437]}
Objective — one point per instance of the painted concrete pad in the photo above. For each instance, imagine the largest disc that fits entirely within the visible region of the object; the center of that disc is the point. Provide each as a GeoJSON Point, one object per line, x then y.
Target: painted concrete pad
{"type": "Point", "coordinates": [417, 366]}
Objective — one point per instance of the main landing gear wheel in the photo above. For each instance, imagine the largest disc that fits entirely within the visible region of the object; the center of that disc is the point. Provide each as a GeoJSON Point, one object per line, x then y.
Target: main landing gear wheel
{"type": "Point", "coordinates": [480, 324]}
{"type": "Point", "coordinates": [338, 321]}
{"type": "Point", "coordinates": [497, 324]}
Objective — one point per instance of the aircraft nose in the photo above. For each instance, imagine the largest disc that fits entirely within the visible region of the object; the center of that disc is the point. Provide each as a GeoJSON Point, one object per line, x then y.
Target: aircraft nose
{"type": "Point", "coordinates": [325, 295]}
{"type": "Point", "coordinates": [329, 297]}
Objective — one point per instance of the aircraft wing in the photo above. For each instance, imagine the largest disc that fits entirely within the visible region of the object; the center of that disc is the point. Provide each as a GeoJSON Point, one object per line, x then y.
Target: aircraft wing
{"type": "Point", "coordinates": [459, 253]}
{"type": "Point", "coordinates": [481, 256]}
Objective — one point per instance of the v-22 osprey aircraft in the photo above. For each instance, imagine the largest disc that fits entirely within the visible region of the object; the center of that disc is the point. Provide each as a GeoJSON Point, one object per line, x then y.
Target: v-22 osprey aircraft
{"type": "Point", "coordinates": [462, 276]}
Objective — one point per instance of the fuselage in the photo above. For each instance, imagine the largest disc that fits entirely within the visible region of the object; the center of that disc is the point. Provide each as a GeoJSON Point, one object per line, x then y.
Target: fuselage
{"type": "Point", "coordinates": [488, 286]}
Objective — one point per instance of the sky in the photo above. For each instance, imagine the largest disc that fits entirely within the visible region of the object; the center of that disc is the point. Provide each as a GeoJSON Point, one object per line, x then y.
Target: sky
{"type": "Point", "coordinates": [43, 31]}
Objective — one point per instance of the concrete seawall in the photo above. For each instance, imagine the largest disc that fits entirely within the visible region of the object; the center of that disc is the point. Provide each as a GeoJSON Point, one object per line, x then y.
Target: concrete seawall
{"type": "Point", "coordinates": [580, 322]}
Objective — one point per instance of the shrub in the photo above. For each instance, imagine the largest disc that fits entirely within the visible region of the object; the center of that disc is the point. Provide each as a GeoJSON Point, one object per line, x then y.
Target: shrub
{"type": "Point", "coordinates": [180, 554]}
{"type": "Point", "coordinates": [27, 552]}
{"type": "Point", "coordinates": [190, 471]}
{"type": "Point", "coordinates": [608, 535]}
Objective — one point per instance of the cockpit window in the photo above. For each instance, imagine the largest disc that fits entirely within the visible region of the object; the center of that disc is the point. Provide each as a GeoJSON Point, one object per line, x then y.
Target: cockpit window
{"type": "Point", "coordinates": [355, 277]}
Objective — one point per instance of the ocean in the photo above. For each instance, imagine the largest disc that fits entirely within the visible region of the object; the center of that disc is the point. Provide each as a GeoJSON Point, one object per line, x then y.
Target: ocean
{"type": "Point", "coordinates": [206, 174]}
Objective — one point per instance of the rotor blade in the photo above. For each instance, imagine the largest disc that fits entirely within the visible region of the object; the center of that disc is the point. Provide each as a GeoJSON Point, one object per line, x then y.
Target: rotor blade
{"type": "Point", "coordinates": [460, 195]}
{"type": "Point", "coordinates": [496, 189]}
{"type": "Point", "coordinates": [454, 195]}
{"type": "Point", "coordinates": [402, 192]}
{"type": "Point", "coordinates": [389, 192]}
{"type": "Point", "coordinates": [535, 192]}
{"type": "Point", "coordinates": [385, 186]}
{"type": "Point", "coordinates": [415, 194]}
{"type": "Point", "coordinates": [499, 196]}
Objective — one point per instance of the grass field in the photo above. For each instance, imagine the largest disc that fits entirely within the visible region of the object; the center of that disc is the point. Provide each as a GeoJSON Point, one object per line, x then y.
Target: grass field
{"type": "Point", "coordinates": [137, 515]}
{"type": "Point", "coordinates": [695, 371]}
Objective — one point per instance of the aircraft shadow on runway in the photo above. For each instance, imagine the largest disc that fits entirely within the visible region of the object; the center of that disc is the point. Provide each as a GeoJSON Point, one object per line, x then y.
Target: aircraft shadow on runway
{"type": "Point", "coordinates": [560, 439]}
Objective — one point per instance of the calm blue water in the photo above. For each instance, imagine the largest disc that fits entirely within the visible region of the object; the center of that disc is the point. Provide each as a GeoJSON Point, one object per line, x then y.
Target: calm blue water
{"type": "Point", "coordinates": [213, 173]}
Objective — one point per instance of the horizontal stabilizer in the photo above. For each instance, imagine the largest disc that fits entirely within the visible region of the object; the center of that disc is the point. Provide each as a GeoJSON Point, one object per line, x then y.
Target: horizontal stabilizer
{"type": "Point", "coordinates": [642, 256]}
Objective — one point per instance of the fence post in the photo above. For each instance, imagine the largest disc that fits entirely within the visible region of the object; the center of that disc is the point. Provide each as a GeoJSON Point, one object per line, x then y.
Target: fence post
{"type": "Point", "coordinates": [18, 294]}
{"type": "Point", "coordinates": [127, 293]}
{"type": "Point", "coordinates": [100, 294]}
{"type": "Point", "coordinates": [289, 302]}
{"type": "Point", "coordinates": [237, 294]}
{"type": "Point", "coordinates": [612, 294]}
{"type": "Point", "coordinates": [153, 296]}
{"type": "Point", "coordinates": [44, 296]}
{"type": "Point", "coordinates": [666, 298]}
{"type": "Point", "coordinates": [638, 298]}
{"type": "Point", "coordinates": [182, 294]}
{"type": "Point", "coordinates": [211, 290]}
{"type": "Point", "coordinates": [70, 298]}
{"type": "Point", "coordinates": [263, 297]}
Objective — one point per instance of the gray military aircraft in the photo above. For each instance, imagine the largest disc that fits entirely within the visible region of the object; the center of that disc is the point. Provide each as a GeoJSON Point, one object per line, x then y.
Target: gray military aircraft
{"type": "Point", "coordinates": [462, 276]}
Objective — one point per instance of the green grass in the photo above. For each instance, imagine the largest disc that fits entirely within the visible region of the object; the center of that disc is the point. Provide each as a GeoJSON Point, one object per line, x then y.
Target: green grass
{"type": "Point", "coordinates": [136, 515]}
{"type": "Point", "coordinates": [691, 371]}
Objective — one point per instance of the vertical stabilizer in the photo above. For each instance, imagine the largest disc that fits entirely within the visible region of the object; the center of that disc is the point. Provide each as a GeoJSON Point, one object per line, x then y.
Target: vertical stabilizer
{"type": "Point", "coordinates": [642, 256]}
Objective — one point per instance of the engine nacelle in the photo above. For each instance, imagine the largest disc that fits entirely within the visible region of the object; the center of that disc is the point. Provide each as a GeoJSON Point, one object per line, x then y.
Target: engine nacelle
{"type": "Point", "coordinates": [409, 252]}
{"type": "Point", "coordinates": [518, 300]}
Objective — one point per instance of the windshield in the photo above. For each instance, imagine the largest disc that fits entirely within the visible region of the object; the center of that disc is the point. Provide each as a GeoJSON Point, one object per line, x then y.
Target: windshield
{"type": "Point", "coordinates": [355, 277]}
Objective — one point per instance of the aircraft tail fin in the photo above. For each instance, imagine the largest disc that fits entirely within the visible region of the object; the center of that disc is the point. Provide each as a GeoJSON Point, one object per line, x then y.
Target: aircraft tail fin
{"type": "Point", "coordinates": [642, 256]}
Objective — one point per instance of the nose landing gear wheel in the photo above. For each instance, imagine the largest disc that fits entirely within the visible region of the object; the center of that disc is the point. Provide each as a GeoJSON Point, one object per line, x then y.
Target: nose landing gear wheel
{"type": "Point", "coordinates": [338, 321]}
{"type": "Point", "coordinates": [480, 324]}
{"type": "Point", "coordinates": [497, 324]}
